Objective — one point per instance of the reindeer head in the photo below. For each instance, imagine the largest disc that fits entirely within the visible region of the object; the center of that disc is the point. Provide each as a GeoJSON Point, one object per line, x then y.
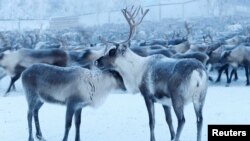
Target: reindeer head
{"type": "Point", "coordinates": [116, 52]}
{"type": "Point", "coordinates": [225, 56]}
{"type": "Point", "coordinates": [120, 51]}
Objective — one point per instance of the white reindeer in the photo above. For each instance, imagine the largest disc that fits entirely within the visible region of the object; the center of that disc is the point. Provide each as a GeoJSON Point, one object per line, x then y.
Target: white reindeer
{"type": "Point", "coordinates": [159, 79]}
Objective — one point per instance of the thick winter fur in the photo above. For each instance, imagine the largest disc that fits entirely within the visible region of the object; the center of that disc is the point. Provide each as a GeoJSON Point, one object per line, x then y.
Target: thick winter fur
{"type": "Point", "coordinates": [236, 40]}
{"type": "Point", "coordinates": [197, 48]}
{"type": "Point", "coordinates": [181, 48]}
{"type": "Point", "coordinates": [84, 58]}
{"type": "Point", "coordinates": [164, 42]}
{"type": "Point", "coordinates": [151, 50]}
{"type": "Point", "coordinates": [164, 80]}
{"type": "Point", "coordinates": [202, 57]}
{"type": "Point", "coordinates": [238, 56]}
{"type": "Point", "coordinates": [75, 87]}
{"type": "Point", "coordinates": [15, 62]}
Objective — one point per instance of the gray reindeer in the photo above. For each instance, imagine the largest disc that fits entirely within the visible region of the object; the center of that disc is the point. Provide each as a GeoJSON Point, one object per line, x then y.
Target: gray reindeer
{"type": "Point", "coordinates": [75, 87]}
{"type": "Point", "coordinates": [159, 79]}
{"type": "Point", "coordinates": [236, 56]}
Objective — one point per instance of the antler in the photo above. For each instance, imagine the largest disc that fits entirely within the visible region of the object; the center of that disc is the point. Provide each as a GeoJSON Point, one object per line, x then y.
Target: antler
{"type": "Point", "coordinates": [188, 28]}
{"type": "Point", "coordinates": [130, 16]}
{"type": "Point", "coordinates": [207, 36]}
{"type": "Point", "coordinates": [105, 41]}
{"type": "Point", "coordinates": [62, 43]}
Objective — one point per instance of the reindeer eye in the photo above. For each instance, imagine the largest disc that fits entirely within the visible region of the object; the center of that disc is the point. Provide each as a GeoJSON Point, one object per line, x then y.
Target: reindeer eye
{"type": "Point", "coordinates": [112, 52]}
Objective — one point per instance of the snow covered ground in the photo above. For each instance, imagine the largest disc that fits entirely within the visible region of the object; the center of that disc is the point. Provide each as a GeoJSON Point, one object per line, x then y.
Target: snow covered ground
{"type": "Point", "coordinates": [123, 117]}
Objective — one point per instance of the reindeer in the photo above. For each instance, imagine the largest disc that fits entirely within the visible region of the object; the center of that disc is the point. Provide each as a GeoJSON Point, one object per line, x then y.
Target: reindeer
{"type": "Point", "coordinates": [220, 64]}
{"type": "Point", "coordinates": [159, 79]}
{"type": "Point", "coordinates": [15, 62]}
{"type": "Point", "coordinates": [185, 45]}
{"type": "Point", "coordinates": [236, 40]}
{"type": "Point", "coordinates": [75, 87]}
{"type": "Point", "coordinates": [238, 56]}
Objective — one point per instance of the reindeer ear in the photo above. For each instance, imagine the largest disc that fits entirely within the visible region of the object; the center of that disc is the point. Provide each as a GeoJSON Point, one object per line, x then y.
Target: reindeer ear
{"type": "Point", "coordinates": [117, 46]}
{"type": "Point", "coordinates": [225, 54]}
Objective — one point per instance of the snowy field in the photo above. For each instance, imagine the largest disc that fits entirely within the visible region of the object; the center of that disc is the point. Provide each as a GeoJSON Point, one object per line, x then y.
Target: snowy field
{"type": "Point", "coordinates": [123, 117]}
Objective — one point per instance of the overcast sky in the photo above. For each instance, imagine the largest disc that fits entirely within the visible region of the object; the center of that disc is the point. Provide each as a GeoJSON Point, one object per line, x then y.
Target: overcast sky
{"type": "Point", "coordinates": [14, 9]}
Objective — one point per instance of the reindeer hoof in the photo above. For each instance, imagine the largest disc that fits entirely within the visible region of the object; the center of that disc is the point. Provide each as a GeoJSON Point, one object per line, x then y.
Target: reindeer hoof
{"type": "Point", "coordinates": [217, 81]}
{"type": "Point", "coordinates": [40, 138]}
{"type": "Point", "coordinates": [247, 84]}
{"type": "Point", "coordinates": [227, 85]}
{"type": "Point", "coordinates": [31, 139]}
{"type": "Point", "coordinates": [5, 95]}
{"type": "Point", "coordinates": [210, 79]}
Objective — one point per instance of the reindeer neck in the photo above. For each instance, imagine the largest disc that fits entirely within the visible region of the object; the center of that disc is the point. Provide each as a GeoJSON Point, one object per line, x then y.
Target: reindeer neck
{"type": "Point", "coordinates": [102, 82]}
{"type": "Point", "coordinates": [109, 80]}
{"type": "Point", "coordinates": [131, 67]}
{"type": "Point", "coordinates": [98, 85]}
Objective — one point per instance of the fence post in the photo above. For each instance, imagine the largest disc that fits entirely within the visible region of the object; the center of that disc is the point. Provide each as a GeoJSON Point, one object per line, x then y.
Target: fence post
{"type": "Point", "coordinates": [19, 25]}
{"type": "Point", "coordinates": [160, 14]}
{"type": "Point", "coordinates": [109, 16]}
{"type": "Point", "coordinates": [183, 11]}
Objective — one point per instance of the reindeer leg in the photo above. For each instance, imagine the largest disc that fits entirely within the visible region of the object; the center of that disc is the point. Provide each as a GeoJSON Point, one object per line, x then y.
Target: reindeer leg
{"type": "Point", "coordinates": [210, 78]}
{"type": "Point", "coordinates": [151, 113]}
{"type": "Point", "coordinates": [14, 87]}
{"type": "Point", "coordinates": [226, 72]}
{"type": "Point", "coordinates": [29, 118]}
{"type": "Point", "coordinates": [198, 106]}
{"type": "Point", "coordinates": [230, 78]}
{"type": "Point", "coordinates": [221, 69]}
{"type": "Point", "coordinates": [168, 116]}
{"type": "Point", "coordinates": [18, 71]}
{"type": "Point", "coordinates": [247, 75]}
{"type": "Point", "coordinates": [68, 122]}
{"type": "Point", "coordinates": [10, 85]}
{"type": "Point", "coordinates": [36, 118]}
{"type": "Point", "coordinates": [178, 105]}
{"type": "Point", "coordinates": [31, 104]}
{"type": "Point", "coordinates": [13, 80]}
{"type": "Point", "coordinates": [235, 75]}
{"type": "Point", "coordinates": [234, 72]}
{"type": "Point", "coordinates": [78, 123]}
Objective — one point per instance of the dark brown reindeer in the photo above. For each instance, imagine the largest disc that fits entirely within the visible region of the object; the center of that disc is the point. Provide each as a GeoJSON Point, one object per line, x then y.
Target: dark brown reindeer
{"type": "Point", "coordinates": [171, 82]}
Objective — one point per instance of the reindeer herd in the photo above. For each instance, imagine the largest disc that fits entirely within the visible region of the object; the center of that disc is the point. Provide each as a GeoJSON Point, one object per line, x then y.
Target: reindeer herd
{"type": "Point", "coordinates": [171, 72]}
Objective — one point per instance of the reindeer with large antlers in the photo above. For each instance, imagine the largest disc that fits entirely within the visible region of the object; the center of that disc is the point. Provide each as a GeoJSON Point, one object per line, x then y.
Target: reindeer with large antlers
{"type": "Point", "coordinates": [160, 79]}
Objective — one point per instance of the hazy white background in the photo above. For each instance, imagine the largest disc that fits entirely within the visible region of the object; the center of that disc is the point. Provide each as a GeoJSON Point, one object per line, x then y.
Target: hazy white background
{"type": "Point", "coordinates": [122, 117]}
{"type": "Point", "coordinates": [23, 14]}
